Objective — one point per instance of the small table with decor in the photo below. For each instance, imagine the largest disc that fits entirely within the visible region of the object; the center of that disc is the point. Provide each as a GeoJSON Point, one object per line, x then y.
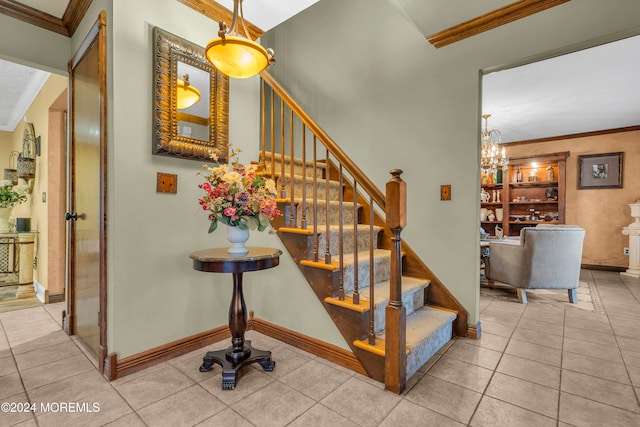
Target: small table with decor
{"type": "Point", "coordinates": [240, 353]}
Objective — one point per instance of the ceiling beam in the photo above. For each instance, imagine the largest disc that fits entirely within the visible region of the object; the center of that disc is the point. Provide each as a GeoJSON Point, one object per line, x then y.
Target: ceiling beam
{"type": "Point", "coordinates": [504, 15]}
{"type": "Point", "coordinates": [66, 26]}
{"type": "Point", "coordinates": [217, 12]}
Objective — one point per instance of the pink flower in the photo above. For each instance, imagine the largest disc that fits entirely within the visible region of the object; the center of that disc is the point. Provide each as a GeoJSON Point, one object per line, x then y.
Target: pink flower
{"type": "Point", "coordinates": [206, 186]}
{"type": "Point", "coordinates": [268, 207]}
{"type": "Point", "coordinates": [231, 213]}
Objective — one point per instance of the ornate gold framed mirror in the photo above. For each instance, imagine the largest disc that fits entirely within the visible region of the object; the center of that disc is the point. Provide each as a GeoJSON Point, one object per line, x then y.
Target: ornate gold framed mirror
{"type": "Point", "coordinates": [198, 130]}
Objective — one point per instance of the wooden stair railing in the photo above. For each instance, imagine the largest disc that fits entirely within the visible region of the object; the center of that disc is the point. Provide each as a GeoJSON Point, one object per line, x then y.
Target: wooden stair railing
{"type": "Point", "coordinates": [311, 180]}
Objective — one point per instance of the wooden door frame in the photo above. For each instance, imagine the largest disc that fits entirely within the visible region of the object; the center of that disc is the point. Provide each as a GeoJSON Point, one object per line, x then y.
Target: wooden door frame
{"type": "Point", "coordinates": [97, 34]}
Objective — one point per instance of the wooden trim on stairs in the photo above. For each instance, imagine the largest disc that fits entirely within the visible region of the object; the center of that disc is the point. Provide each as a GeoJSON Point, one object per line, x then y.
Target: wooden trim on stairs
{"type": "Point", "coordinates": [362, 307]}
{"type": "Point", "coordinates": [336, 151]}
{"type": "Point", "coordinates": [320, 264]}
{"type": "Point", "coordinates": [322, 349]}
{"type": "Point", "coordinates": [307, 231]}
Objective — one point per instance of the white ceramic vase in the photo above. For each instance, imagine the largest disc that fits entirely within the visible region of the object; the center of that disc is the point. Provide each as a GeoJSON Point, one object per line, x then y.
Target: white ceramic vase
{"type": "Point", "coordinates": [499, 214]}
{"type": "Point", "coordinates": [237, 237]}
{"type": "Point", "coordinates": [5, 222]}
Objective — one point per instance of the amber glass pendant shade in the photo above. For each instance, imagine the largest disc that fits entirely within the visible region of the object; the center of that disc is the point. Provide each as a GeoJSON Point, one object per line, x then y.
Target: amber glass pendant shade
{"type": "Point", "coordinates": [186, 95]}
{"type": "Point", "coordinates": [236, 55]}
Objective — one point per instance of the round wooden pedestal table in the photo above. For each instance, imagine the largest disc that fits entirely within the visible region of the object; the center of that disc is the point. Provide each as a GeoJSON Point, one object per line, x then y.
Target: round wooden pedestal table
{"type": "Point", "coordinates": [240, 353]}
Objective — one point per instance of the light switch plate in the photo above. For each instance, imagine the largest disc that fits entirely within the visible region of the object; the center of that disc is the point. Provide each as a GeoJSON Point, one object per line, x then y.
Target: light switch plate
{"type": "Point", "coordinates": [445, 192]}
{"type": "Point", "coordinates": [167, 183]}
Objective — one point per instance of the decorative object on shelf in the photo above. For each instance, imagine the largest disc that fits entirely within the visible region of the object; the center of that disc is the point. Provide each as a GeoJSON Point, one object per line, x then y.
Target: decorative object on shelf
{"type": "Point", "coordinates": [551, 193]}
{"type": "Point", "coordinates": [23, 224]}
{"type": "Point", "coordinates": [485, 197]}
{"type": "Point", "coordinates": [483, 214]}
{"type": "Point", "coordinates": [238, 197]}
{"type": "Point", "coordinates": [234, 54]}
{"type": "Point", "coordinates": [550, 173]}
{"type": "Point", "coordinates": [490, 215]}
{"type": "Point", "coordinates": [499, 214]}
{"type": "Point", "coordinates": [633, 231]}
{"type": "Point", "coordinates": [491, 157]}
{"type": "Point", "coordinates": [600, 171]}
{"type": "Point", "coordinates": [26, 163]}
{"type": "Point", "coordinates": [8, 199]}
{"type": "Point", "coordinates": [499, 232]}
{"type": "Point", "coordinates": [498, 197]}
{"type": "Point", "coordinates": [11, 173]}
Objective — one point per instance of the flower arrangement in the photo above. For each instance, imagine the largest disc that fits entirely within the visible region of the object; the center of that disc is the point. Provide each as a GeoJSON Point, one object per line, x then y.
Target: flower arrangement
{"type": "Point", "coordinates": [10, 197]}
{"type": "Point", "coordinates": [238, 196]}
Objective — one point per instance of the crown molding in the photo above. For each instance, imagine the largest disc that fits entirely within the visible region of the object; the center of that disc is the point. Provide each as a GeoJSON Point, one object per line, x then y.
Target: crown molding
{"type": "Point", "coordinates": [66, 26]}
{"type": "Point", "coordinates": [504, 15]}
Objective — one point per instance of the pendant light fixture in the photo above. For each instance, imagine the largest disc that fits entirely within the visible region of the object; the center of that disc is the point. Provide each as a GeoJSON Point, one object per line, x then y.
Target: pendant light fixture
{"type": "Point", "coordinates": [234, 54]}
{"type": "Point", "coordinates": [186, 95]}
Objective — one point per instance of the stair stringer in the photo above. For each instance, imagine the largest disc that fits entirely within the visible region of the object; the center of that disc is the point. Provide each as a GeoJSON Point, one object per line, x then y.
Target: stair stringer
{"type": "Point", "coordinates": [351, 324]}
{"type": "Point", "coordinates": [437, 294]}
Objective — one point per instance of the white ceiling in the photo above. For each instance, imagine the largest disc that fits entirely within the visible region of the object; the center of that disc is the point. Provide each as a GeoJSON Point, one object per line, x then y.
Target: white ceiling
{"type": "Point", "coordinates": [585, 91]}
{"type": "Point", "coordinates": [52, 7]}
{"type": "Point", "coordinates": [590, 90]}
{"type": "Point", "coordinates": [19, 86]}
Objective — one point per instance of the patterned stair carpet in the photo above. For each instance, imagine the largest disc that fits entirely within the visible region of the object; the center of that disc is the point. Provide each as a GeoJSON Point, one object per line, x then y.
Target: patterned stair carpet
{"type": "Point", "coordinates": [428, 329]}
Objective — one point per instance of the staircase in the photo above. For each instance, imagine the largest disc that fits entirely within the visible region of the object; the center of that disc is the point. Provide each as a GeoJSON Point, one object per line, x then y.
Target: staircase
{"type": "Point", "coordinates": [344, 236]}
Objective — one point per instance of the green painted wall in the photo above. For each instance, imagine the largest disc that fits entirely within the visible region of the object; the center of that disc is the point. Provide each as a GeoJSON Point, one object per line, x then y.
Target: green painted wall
{"type": "Point", "coordinates": [370, 79]}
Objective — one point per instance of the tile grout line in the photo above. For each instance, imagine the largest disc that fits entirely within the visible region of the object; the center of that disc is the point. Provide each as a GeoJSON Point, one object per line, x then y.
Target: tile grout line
{"type": "Point", "coordinates": [635, 390]}
{"type": "Point", "coordinates": [484, 392]}
{"type": "Point", "coordinates": [15, 362]}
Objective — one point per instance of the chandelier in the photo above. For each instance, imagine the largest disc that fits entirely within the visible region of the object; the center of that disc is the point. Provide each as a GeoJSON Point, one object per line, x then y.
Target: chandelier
{"type": "Point", "coordinates": [234, 54]}
{"type": "Point", "coordinates": [491, 157]}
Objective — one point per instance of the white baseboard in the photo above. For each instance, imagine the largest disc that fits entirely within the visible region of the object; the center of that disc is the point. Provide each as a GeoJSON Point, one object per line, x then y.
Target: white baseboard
{"type": "Point", "coordinates": [39, 290]}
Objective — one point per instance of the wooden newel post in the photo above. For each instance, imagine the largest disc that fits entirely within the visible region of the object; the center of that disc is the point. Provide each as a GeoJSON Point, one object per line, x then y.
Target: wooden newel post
{"type": "Point", "coordinates": [395, 364]}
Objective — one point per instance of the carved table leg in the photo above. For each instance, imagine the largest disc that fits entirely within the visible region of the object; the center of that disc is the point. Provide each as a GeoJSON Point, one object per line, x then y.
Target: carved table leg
{"type": "Point", "coordinates": [240, 353]}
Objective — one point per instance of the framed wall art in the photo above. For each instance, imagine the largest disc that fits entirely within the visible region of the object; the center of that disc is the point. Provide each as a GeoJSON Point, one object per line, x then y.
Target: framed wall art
{"type": "Point", "coordinates": [600, 171]}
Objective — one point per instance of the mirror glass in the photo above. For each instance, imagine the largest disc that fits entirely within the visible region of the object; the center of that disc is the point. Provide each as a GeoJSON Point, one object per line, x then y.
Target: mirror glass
{"type": "Point", "coordinates": [201, 130]}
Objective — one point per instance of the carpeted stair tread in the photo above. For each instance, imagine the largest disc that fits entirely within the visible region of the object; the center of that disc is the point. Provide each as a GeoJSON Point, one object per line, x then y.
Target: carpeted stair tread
{"type": "Point", "coordinates": [363, 238]}
{"type": "Point", "coordinates": [412, 297]}
{"type": "Point", "coordinates": [321, 193]}
{"type": "Point", "coordinates": [334, 211]}
{"type": "Point", "coordinates": [428, 330]}
{"type": "Point", "coordinates": [381, 262]}
{"type": "Point", "coordinates": [296, 160]}
{"type": "Point", "coordinates": [298, 166]}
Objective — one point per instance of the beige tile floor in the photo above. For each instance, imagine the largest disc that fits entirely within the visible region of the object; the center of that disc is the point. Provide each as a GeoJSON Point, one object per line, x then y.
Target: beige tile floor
{"type": "Point", "coordinates": [536, 365]}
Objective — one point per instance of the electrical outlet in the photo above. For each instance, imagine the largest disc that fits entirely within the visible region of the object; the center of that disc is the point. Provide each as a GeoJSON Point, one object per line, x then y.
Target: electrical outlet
{"type": "Point", "coordinates": [626, 251]}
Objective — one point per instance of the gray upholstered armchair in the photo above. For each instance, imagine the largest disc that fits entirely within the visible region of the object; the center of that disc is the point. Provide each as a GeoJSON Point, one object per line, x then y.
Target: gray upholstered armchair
{"type": "Point", "coordinates": [545, 257]}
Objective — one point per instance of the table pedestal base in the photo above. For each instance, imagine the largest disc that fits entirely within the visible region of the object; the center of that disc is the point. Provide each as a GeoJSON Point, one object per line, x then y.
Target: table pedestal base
{"type": "Point", "coordinates": [231, 362]}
